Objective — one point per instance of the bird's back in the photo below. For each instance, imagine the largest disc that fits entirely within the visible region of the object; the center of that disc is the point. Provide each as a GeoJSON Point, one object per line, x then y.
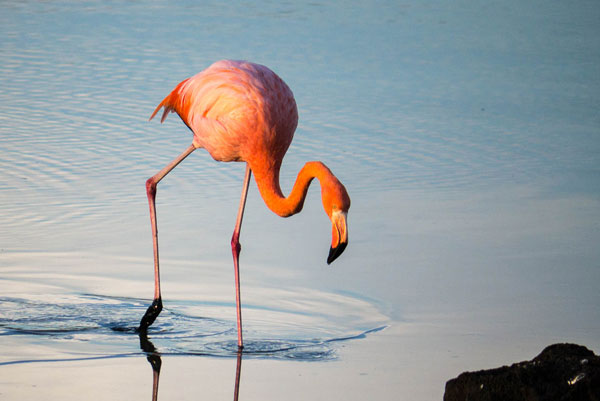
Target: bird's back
{"type": "Point", "coordinates": [237, 111]}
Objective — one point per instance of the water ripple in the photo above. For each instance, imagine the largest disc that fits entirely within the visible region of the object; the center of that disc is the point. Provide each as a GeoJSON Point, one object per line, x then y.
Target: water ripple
{"type": "Point", "coordinates": [108, 326]}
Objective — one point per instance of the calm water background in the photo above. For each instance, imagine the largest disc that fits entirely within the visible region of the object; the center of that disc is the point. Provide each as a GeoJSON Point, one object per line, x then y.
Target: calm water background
{"type": "Point", "coordinates": [468, 136]}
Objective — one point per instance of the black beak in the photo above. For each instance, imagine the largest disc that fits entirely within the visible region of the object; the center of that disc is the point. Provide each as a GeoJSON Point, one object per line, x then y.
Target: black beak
{"type": "Point", "coordinates": [335, 252]}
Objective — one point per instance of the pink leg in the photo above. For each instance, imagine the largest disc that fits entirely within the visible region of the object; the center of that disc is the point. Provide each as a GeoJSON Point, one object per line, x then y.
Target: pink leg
{"type": "Point", "coordinates": [156, 306]}
{"type": "Point", "coordinates": [235, 249]}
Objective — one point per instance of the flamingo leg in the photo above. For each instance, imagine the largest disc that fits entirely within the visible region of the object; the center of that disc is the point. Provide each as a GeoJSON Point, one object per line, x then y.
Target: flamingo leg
{"type": "Point", "coordinates": [235, 250]}
{"type": "Point", "coordinates": [154, 309]}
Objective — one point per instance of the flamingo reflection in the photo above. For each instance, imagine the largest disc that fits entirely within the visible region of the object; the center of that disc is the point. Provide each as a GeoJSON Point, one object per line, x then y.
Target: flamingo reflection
{"type": "Point", "coordinates": [155, 361]}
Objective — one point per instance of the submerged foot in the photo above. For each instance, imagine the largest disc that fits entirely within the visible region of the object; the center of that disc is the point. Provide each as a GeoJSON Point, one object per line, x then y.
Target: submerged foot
{"type": "Point", "coordinates": [150, 316]}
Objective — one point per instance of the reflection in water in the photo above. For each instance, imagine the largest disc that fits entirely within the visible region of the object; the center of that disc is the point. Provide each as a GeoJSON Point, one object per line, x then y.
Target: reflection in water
{"type": "Point", "coordinates": [155, 361]}
{"type": "Point", "coordinates": [238, 373]}
{"type": "Point", "coordinates": [154, 358]}
{"type": "Point", "coordinates": [79, 327]}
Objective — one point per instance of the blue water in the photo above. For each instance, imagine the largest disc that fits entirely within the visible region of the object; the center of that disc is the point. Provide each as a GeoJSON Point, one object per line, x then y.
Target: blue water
{"type": "Point", "coordinates": [110, 324]}
{"type": "Point", "coordinates": [468, 136]}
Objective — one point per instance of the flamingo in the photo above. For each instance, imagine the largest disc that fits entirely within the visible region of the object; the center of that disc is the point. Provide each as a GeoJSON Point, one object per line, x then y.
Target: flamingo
{"type": "Point", "coordinates": [241, 111]}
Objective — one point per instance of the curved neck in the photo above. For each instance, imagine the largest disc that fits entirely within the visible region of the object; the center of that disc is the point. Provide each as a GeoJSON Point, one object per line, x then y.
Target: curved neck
{"type": "Point", "coordinates": [270, 190]}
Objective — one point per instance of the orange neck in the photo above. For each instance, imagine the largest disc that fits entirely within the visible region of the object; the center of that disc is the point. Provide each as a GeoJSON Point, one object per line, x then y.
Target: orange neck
{"type": "Point", "coordinates": [270, 190]}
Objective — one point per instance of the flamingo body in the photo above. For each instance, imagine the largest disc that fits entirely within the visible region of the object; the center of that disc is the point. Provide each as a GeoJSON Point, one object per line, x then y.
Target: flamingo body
{"type": "Point", "coordinates": [238, 111]}
{"type": "Point", "coordinates": [241, 111]}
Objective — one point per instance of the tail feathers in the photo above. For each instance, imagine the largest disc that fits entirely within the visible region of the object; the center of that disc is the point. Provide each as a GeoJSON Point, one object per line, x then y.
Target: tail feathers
{"type": "Point", "coordinates": [170, 103]}
{"type": "Point", "coordinates": [165, 111]}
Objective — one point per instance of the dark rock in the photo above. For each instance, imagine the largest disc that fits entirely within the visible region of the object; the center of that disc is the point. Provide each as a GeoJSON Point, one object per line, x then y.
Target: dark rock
{"type": "Point", "coordinates": [562, 372]}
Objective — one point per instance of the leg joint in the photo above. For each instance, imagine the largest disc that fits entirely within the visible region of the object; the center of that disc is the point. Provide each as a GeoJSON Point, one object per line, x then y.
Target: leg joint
{"type": "Point", "coordinates": [151, 187]}
{"type": "Point", "coordinates": [236, 247]}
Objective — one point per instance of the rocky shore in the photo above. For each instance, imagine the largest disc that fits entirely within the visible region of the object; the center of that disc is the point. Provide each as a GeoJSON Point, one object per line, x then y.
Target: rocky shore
{"type": "Point", "coordinates": [565, 372]}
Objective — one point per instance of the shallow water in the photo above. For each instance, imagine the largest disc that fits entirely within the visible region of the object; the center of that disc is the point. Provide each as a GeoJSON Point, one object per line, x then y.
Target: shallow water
{"type": "Point", "coordinates": [109, 324]}
{"type": "Point", "coordinates": [467, 136]}
{"type": "Point", "coordinates": [100, 320]}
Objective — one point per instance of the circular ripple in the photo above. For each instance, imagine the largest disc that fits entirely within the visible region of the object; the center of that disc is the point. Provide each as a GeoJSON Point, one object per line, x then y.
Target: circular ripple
{"type": "Point", "coordinates": [110, 324]}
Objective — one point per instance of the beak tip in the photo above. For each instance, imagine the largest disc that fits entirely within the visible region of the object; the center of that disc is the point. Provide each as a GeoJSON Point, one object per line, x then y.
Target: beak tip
{"type": "Point", "coordinates": [330, 258]}
{"type": "Point", "coordinates": [335, 252]}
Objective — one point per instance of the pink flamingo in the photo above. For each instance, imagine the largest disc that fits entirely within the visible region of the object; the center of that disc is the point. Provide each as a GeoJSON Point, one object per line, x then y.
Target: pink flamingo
{"type": "Point", "coordinates": [241, 111]}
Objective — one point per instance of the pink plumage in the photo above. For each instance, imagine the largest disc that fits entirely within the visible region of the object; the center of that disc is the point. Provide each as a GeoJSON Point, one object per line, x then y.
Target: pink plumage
{"type": "Point", "coordinates": [237, 111]}
{"type": "Point", "coordinates": [241, 111]}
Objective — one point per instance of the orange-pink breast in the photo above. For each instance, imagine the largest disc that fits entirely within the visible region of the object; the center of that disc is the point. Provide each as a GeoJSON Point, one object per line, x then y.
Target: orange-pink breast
{"type": "Point", "coordinates": [238, 111]}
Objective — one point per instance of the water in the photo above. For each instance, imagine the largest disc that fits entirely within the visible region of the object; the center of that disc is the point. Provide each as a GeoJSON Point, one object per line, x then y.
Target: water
{"type": "Point", "coordinates": [466, 134]}
{"type": "Point", "coordinates": [111, 325]}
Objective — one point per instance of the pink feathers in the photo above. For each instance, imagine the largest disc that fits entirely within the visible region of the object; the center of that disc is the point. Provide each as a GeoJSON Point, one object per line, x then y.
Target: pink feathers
{"type": "Point", "coordinates": [237, 110]}
{"type": "Point", "coordinates": [240, 111]}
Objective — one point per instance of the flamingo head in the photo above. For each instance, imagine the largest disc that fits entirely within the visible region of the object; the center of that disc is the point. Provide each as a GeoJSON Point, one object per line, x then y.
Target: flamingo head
{"type": "Point", "coordinates": [336, 203]}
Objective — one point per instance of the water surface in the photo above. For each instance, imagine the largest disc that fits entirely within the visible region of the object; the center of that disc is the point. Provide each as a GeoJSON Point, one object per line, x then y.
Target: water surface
{"type": "Point", "coordinates": [467, 136]}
